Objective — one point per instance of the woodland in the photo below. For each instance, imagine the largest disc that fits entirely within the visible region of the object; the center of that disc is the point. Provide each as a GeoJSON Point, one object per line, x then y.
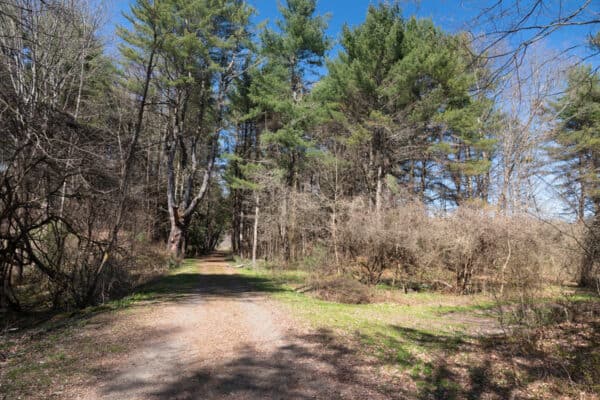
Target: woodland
{"type": "Point", "coordinates": [397, 154]}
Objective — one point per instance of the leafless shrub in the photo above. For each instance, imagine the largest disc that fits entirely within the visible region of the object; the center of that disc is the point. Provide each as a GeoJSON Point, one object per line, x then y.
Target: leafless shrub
{"type": "Point", "coordinates": [373, 243]}
{"type": "Point", "coordinates": [466, 251]}
{"type": "Point", "coordinates": [291, 225]}
{"type": "Point", "coordinates": [341, 289]}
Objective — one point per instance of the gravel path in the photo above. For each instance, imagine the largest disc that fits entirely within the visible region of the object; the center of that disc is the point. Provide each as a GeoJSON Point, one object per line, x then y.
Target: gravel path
{"type": "Point", "coordinates": [228, 341]}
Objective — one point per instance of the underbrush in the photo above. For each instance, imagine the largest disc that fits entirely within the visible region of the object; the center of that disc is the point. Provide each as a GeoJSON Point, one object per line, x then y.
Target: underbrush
{"type": "Point", "coordinates": [466, 251]}
{"type": "Point", "coordinates": [470, 249]}
{"type": "Point", "coordinates": [126, 270]}
{"type": "Point", "coordinates": [341, 289]}
{"type": "Point", "coordinates": [43, 353]}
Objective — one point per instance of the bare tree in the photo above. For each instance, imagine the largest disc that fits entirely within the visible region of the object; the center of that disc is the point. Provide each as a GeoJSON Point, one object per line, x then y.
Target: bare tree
{"type": "Point", "coordinates": [523, 99]}
{"type": "Point", "coordinates": [519, 25]}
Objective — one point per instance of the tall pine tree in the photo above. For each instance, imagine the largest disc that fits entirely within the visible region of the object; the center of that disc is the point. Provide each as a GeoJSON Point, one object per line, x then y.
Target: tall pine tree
{"type": "Point", "coordinates": [403, 91]}
{"type": "Point", "coordinates": [577, 149]}
{"type": "Point", "coordinates": [280, 91]}
{"type": "Point", "coordinates": [199, 48]}
{"type": "Point", "coordinates": [577, 153]}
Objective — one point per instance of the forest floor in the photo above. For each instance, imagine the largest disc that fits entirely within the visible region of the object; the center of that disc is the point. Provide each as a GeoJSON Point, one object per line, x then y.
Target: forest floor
{"type": "Point", "coordinates": [210, 331]}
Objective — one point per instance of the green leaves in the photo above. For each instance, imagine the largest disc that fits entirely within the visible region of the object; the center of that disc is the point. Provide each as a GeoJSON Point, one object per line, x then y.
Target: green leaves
{"type": "Point", "coordinates": [280, 88]}
{"type": "Point", "coordinates": [578, 134]}
{"type": "Point", "coordinates": [404, 90]}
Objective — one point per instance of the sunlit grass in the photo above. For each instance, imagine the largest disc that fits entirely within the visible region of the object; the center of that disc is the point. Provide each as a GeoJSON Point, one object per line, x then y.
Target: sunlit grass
{"type": "Point", "coordinates": [404, 335]}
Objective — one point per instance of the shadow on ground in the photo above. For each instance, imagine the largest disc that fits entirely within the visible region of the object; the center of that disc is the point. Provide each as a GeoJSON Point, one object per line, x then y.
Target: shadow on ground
{"type": "Point", "coordinates": [220, 284]}
{"type": "Point", "coordinates": [178, 287]}
{"type": "Point", "coordinates": [310, 366]}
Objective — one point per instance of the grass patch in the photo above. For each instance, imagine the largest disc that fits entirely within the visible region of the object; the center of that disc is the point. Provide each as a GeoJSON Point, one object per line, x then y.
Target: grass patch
{"type": "Point", "coordinates": [445, 346]}
{"type": "Point", "coordinates": [286, 279]}
{"type": "Point", "coordinates": [403, 335]}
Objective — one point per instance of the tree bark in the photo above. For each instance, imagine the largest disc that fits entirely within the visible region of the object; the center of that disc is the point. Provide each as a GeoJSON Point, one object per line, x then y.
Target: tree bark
{"type": "Point", "coordinates": [255, 237]}
{"type": "Point", "coordinates": [177, 242]}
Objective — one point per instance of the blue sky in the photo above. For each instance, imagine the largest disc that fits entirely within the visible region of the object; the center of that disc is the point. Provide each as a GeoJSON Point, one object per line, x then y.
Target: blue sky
{"type": "Point", "coordinates": [451, 15]}
{"type": "Point", "coordinates": [446, 13]}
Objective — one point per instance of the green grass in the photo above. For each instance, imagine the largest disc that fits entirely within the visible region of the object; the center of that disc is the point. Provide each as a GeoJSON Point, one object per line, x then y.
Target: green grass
{"type": "Point", "coordinates": [179, 282]}
{"type": "Point", "coordinates": [417, 333]}
{"type": "Point", "coordinates": [422, 308]}
{"type": "Point", "coordinates": [405, 336]}
{"type": "Point", "coordinates": [408, 336]}
{"type": "Point", "coordinates": [583, 296]}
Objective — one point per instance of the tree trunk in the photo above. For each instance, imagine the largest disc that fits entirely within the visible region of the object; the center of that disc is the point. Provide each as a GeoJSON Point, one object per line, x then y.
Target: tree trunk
{"type": "Point", "coordinates": [176, 244]}
{"type": "Point", "coordinates": [255, 237]}
{"type": "Point", "coordinates": [334, 216]}
{"type": "Point", "coordinates": [589, 274]}
{"type": "Point", "coordinates": [240, 238]}
{"type": "Point", "coordinates": [503, 199]}
{"type": "Point", "coordinates": [379, 193]}
{"type": "Point", "coordinates": [236, 244]}
{"type": "Point", "coordinates": [283, 222]}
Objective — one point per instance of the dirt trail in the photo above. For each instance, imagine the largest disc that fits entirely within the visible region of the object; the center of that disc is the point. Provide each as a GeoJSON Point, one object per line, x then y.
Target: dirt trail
{"type": "Point", "coordinates": [228, 340]}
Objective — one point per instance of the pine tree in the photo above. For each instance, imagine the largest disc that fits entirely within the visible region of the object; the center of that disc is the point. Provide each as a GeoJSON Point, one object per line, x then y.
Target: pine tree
{"type": "Point", "coordinates": [281, 87]}
{"type": "Point", "coordinates": [577, 152]}
{"type": "Point", "coordinates": [358, 86]}
{"type": "Point", "coordinates": [198, 46]}
{"type": "Point", "coordinates": [577, 149]}
{"type": "Point", "coordinates": [280, 90]}
{"type": "Point", "coordinates": [243, 169]}
{"type": "Point", "coordinates": [402, 89]}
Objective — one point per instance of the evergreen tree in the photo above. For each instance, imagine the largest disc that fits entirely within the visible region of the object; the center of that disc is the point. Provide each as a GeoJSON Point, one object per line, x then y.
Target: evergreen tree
{"type": "Point", "coordinates": [359, 87]}
{"type": "Point", "coordinates": [281, 86]}
{"type": "Point", "coordinates": [402, 89]}
{"type": "Point", "coordinates": [577, 149]}
{"type": "Point", "coordinates": [577, 152]}
{"type": "Point", "coordinates": [243, 167]}
{"type": "Point", "coordinates": [280, 90]}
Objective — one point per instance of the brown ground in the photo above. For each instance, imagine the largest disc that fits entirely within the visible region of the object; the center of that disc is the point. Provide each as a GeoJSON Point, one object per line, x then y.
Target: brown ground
{"type": "Point", "coordinates": [225, 341]}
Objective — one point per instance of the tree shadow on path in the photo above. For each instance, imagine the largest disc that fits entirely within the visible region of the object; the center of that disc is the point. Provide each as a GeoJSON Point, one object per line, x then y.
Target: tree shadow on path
{"type": "Point", "coordinates": [310, 366]}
